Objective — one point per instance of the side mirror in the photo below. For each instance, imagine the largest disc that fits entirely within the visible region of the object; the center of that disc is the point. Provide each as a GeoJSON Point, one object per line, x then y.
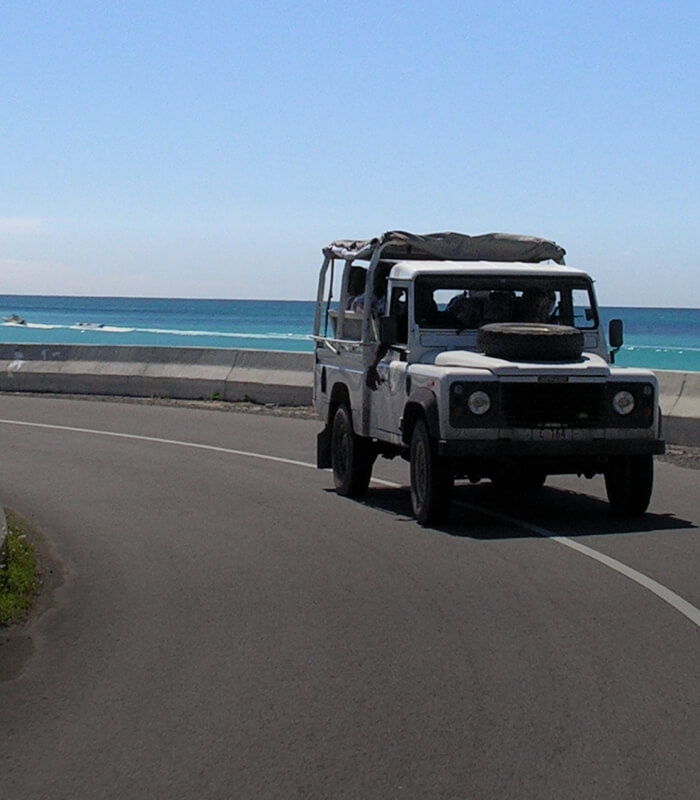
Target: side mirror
{"type": "Point", "coordinates": [615, 337]}
{"type": "Point", "coordinates": [615, 333]}
{"type": "Point", "coordinates": [388, 330]}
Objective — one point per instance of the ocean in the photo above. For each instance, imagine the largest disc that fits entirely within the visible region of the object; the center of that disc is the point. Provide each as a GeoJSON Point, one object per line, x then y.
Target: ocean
{"type": "Point", "coordinates": [657, 338]}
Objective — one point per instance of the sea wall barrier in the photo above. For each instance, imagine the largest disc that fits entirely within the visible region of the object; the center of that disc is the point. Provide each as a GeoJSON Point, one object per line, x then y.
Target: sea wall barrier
{"type": "Point", "coordinates": [190, 373]}
{"type": "Point", "coordinates": [680, 406]}
{"type": "Point", "coordinates": [261, 376]}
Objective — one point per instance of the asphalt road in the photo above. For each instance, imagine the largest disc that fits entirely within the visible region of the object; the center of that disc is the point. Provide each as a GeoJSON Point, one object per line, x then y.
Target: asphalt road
{"type": "Point", "coordinates": [224, 626]}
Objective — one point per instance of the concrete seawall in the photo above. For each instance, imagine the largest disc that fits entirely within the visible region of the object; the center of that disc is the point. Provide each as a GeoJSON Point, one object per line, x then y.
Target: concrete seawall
{"type": "Point", "coordinates": [261, 376]}
{"type": "Point", "coordinates": [680, 406]}
{"type": "Point", "coordinates": [190, 373]}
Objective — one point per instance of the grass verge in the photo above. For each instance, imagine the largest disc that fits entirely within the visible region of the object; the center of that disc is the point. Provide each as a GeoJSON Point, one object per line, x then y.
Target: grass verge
{"type": "Point", "coordinates": [19, 580]}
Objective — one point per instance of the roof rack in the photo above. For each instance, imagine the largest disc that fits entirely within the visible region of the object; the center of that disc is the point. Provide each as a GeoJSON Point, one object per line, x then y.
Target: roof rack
{"type": "Point", "coordinates": [400, 245]}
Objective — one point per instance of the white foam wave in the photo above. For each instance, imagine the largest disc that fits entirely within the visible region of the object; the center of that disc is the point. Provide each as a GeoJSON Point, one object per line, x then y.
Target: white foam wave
{"type": "Point", "coordinates": [163, 331]}
{"type": "Point", "coordinates": [661, 348]}
{"type": "Point", "coordinates": [103, 328]}
{"type": "Point", "coordinates": [226, 334]}
{"type": "Point", "coordinates": [31, 325]}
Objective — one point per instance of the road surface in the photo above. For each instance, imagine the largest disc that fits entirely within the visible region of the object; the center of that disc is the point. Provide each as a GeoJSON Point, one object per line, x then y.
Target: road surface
{"type": "Point", "coordinates": [219, 624]}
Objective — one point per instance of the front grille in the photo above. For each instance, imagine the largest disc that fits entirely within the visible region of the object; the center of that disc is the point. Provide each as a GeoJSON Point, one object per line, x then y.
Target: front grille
{"type": "Point", "coordinates": [571, 405]}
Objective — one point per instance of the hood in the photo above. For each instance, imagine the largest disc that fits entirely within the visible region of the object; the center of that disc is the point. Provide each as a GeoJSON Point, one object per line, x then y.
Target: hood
{"type": "Point", "coordinates": [593, 365]}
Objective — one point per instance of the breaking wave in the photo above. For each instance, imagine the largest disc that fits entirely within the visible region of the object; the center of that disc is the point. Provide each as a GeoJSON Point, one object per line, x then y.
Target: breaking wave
{"type": "Point", "coordinates": [107, 329]}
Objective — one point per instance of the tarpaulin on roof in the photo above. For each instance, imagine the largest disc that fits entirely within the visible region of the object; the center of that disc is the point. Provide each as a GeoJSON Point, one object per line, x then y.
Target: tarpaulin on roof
{"type": "Point", "coordinates": [400, 245]}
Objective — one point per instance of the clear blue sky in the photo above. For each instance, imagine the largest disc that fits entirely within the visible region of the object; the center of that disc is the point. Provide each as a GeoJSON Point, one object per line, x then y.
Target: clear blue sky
{"type": "Point", "coordinates": [210, 149]}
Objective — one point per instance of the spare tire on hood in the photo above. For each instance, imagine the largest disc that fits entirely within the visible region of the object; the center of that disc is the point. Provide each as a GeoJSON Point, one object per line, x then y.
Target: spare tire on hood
{"type": "Point", "coordinates": [530, 341]}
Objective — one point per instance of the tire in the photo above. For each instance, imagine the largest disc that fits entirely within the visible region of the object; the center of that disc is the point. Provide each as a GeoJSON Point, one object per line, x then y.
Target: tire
{"type": "Point", "coordinates": [352, 457]}
{"type": "Point", "coordinates": [527, 341]}
{"type": "Point", "coordinates": [431, 478]}
{"type": "Point", "coordinates": [629, 481]}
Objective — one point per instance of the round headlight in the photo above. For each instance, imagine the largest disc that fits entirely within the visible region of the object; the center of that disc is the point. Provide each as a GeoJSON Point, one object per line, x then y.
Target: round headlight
{"type": "Point", "coordinates": [479, 403]}
{"type": "Point", "coordinates": [623, 403]}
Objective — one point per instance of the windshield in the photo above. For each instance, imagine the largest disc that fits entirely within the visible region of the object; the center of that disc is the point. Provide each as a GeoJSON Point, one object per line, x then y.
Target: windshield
{"type": "Point", "coordinates": [466, 302]}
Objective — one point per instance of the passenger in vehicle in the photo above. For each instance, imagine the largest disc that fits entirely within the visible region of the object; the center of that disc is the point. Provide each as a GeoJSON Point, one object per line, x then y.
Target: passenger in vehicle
{"type": "Point", "coordinates": [426, 310]}
{"type": "Point", "coordinates": [356, 285]}
{"type": "Point", "coordinates": [381, 278]}
{"type": "Point", "coordinates": [536, 305]}
{"type": "Point", "coordinates": [467, 311]}
{"type": "Point", "coordinates": [499, 306]}
{"type": "Point", "coordinates": [379, 300]}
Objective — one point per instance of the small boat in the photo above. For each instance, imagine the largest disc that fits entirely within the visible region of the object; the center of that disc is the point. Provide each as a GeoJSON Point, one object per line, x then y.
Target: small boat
{"type": "Point", "coordinates": [14, 319]}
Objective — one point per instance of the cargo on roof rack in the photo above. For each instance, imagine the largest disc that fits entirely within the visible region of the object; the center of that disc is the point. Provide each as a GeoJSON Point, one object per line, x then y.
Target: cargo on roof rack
{"type": "Point", "coordinates": [448, 246]}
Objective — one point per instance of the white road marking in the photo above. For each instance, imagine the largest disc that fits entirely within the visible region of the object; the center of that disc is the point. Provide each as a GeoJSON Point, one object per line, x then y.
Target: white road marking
{"type": "Point", "coordinates": [662, 592]}
{"type": "Point", "coordinates": [138, 437]}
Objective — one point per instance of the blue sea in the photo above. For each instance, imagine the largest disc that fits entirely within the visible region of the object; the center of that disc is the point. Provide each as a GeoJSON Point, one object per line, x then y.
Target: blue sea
{"type": "Point", "coordinates": [658, 338]}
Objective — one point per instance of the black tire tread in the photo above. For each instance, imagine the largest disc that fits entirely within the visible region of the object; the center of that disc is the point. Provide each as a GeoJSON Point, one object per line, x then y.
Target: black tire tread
{"type": "Point", "coordinates": [629, 481]}
{"type": "Point", "coordinates": [351, 474]}
{"type": "Point", "coordinates": [439, 479]}
{"type": "Point", "coordinates": [526, 341]}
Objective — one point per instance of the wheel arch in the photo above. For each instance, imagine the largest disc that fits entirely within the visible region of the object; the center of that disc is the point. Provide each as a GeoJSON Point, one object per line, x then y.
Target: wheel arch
{"type": "Point", "coordinates": [339, 395]}
{"type": "Point", "coordinates": [422, 403]}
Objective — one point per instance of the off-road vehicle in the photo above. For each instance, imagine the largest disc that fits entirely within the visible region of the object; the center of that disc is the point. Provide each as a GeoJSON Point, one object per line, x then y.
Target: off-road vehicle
{"type": "Point", "coordinates": [475, 357]}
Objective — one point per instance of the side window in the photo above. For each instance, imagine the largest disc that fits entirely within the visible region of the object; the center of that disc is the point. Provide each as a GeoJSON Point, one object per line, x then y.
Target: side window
{"type": "Point", "coordinates": [398, 307]}
{"type": "Point", "coordinates": [584, 315]}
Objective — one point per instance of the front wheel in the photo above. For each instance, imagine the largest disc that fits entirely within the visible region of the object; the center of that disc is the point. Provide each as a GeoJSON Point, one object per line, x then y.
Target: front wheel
{"type": "Point", "coordinates": [431, 478]}
{"type": "Point", "coordinates": [351, 456]}
{"type": "Point", "coordinates": [628, 482]}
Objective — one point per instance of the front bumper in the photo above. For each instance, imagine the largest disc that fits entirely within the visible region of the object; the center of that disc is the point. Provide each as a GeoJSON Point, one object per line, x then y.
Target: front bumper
{"type": "Point", "coordinates": [568, 449]}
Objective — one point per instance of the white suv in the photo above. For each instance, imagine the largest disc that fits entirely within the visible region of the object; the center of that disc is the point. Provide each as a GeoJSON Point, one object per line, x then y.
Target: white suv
{"type": "Point", "coordinates": [472, 358]}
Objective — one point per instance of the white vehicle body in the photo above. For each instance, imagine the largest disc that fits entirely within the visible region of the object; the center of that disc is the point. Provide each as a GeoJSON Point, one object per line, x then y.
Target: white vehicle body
{"type": "Point", "coordinates": [415, 351]}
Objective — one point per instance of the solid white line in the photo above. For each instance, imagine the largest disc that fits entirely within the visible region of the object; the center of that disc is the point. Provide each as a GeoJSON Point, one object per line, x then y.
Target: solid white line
{"type": "Point", "coordinates": [658, 589]}
{"type": "Point", "coordinates": [661, 591]}
{"type": "Point", "coordinates": [159, 440]}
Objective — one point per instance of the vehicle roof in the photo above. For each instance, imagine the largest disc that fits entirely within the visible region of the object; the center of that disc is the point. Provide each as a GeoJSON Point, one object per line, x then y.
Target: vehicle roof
{"type": "Point", "coordinates": [448, 245]}
{"type": "Point", "coordinates": [408, 270]}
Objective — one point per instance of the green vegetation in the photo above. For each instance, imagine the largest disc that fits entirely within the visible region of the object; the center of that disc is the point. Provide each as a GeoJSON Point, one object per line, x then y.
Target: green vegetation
{"type": "Point", "coordinates": [18, 579]}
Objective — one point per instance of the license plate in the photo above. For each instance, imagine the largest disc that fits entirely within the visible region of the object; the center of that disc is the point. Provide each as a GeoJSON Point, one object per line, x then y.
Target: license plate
{"type": "Point", "coordinates": [551, 434]}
